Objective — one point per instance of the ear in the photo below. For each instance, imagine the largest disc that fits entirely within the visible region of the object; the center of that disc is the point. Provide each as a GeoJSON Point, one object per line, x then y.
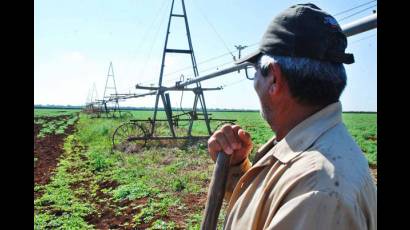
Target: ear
{"type": "Point", "coordinates": [277, 84]}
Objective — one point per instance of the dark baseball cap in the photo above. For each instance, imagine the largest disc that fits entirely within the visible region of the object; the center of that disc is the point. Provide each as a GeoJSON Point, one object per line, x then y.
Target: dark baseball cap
{"type": "Point", "coordinates": [303, 30]}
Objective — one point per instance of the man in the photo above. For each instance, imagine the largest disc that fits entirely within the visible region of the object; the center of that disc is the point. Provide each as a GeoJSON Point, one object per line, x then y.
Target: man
{"type": "Point", "coordinates": [311, 175]}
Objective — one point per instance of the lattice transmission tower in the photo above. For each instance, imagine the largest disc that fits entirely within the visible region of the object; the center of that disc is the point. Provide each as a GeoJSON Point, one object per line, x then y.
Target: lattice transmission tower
{"type": "Point", "coordinates": [110, 103]}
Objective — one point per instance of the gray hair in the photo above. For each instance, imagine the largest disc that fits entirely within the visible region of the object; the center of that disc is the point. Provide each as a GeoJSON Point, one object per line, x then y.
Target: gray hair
{"type": "Point", "coordinates": [311, 82]}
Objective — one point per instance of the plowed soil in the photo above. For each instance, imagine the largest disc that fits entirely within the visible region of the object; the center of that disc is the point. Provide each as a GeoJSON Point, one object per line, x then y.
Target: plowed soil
{"type": "Point", "coordinates": [47, 151]}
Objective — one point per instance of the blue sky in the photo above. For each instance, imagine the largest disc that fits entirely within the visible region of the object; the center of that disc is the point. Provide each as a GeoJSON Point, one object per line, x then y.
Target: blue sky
{"type": "Point", "coordinates": [74, 42]}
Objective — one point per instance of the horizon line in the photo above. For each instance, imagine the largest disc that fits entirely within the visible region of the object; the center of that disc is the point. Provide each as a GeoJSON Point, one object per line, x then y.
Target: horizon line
{"type": "Point", "coordinates": [53, 106]}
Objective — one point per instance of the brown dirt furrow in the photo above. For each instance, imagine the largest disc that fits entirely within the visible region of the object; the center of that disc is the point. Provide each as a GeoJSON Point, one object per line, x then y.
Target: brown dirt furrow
{"type": "Point", "coordinates": [193, 203]}
{"type": "Point", "coordinates": [47, 151]}
{"type": "Point", "coordinates": [111, 214]}
{"type": "Point", "coordinates": [52, 118]}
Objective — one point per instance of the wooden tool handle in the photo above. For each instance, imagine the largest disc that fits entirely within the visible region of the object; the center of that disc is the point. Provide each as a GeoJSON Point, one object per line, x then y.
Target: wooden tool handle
{"type": "Point", "coordinates": [216, 192]}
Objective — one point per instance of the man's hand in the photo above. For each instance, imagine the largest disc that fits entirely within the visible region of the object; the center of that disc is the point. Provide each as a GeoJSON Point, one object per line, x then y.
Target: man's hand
{"type": "Point", "coordinates": [231, 139]}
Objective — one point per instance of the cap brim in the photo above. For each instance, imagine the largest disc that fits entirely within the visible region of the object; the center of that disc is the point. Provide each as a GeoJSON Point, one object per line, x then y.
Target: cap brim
{"type": "Point", "coordinates": [252, 58]}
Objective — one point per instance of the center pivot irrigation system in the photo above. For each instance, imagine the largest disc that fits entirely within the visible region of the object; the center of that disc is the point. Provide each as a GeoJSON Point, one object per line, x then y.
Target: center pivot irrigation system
{"type": "Point", "coordinates": [134, 134]}
{"type": "Point", "coordinates": [137, 132]}
{"type": "Point", "coordinates": [109, 104]}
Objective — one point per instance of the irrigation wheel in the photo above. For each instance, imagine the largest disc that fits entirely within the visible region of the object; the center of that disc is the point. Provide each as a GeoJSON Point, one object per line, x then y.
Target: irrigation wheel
{"type": "Point", "coordinates": [129, 137]}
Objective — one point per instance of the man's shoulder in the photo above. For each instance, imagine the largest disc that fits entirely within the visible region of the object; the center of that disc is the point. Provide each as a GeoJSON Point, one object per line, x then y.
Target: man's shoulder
{"type": "Point", "coordinates": [335, 163]}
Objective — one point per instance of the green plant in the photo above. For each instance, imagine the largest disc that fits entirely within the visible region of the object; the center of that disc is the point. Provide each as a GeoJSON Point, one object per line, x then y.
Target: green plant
{"type": "Point", "coordinates": [56, 126]}
{"type": "Point", "coordinates": [98, 161]}
{"type": "Point", "coordinates": [133, 191]}
{"type": "Point", "coordinates": [155, 208]}
{"type": "Point", "coordinates": [178, 185]}
{"type": "Point", "coordinates": [160, 224]}
{"type": "Point", "coordinates": [194, 221]}
{"type": "Point", "coordinates": [59, 207]}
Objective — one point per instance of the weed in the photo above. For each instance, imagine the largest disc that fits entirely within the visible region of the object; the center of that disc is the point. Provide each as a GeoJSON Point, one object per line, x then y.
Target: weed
{"type": "Point", "coordinates": [178, 185]}
{"type": "Point", "coordinates": [155, 208]}
{"type": "Point", "coordinates": [160, 224]}
{"type": "Point", "coordinates": [98, 161]}
{"type": "Point", "coordinates": [133, 191]}
{"type": "Point", "coordinates": [194, 221]}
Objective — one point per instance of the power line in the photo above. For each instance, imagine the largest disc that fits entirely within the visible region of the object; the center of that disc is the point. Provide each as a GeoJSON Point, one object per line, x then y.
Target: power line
{"type": "Point", "coordinates": [207, 60]}
{"type": "Point", "coordinates": [348, 10]}
{"type": "Point", "coordinates": [256, 43]}
{"type": "Point", "coordinates": [148, 29]}
{"type": "Point", "coordinates": [253, 44]}
{"type": "Point", "coordinates": [230, 62]}
{"type": "Point", "coordinates": [213, 67]}
{"type": "Point", "coordinates": [213, 28]}
{"type": "Point", "coordinates": [229, 52]}
{"type": "Point", "coordinates": [356, 13]}
{"type": "Point", "coordinates": [202, 62]}
{"type": "Point", "coordinates": [203, 71]}
{"type": "Point", "coordinates": [144, 37]}
{"type": "Point", "coordinates": [152, 45]}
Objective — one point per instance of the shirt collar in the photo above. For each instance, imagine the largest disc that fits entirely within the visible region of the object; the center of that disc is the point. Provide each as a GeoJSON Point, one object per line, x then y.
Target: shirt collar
{"type": "Point", "coordinates": [304, 134]}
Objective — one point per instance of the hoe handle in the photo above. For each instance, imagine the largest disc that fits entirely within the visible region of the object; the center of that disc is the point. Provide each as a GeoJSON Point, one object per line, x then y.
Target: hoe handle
{"type": "Point", "coordinates": [216, 192]}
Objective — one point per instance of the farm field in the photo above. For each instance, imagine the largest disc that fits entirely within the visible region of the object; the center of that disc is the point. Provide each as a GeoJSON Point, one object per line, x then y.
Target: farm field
{"type": "Point", "coordinates": [80, 183]}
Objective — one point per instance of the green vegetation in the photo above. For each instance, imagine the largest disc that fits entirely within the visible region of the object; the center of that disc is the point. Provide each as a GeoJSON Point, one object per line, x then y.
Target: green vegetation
{"type": "Point", "coordinates": [160, 183]}
{"type": "Point", "coordinates": [59, 206]}
{"type": "Point", "coordinates": [363, 128]}
{"type": "Point", "coordinates": [54, 112]}
{"type": "Point", "coordinates": [53, 122]}
{"type": "Point", "coordinates": [160, 175]}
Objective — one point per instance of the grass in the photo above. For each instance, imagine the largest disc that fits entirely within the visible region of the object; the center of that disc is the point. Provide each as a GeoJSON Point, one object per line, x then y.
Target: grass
{"type": "Point", "coordinates": [157, 179]}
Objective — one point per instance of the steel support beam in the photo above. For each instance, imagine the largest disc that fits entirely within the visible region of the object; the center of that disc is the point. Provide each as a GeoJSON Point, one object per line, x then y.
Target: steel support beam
{"type": "Point", "coordinates": [360, 26]}
{"type": "Point", "coordinates": [178, 51]}
{"type": "Point", "coordinates": [176, 88]}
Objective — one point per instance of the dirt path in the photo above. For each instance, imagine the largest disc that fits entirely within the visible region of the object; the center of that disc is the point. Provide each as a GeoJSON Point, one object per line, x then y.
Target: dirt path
{"type": "Point", "coordinates": [47, 151]}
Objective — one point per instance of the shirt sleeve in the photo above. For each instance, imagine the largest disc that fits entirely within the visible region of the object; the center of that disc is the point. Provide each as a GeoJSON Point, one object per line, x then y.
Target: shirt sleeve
{"type": "Point", "coordinates": [317, 210]}
{"type": "Point", "coordinates": [234, 174]}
